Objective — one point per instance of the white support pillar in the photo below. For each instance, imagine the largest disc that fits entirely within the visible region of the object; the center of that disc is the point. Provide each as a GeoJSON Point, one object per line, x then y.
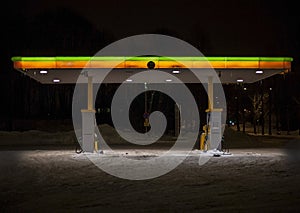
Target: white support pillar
{"type": "Point", "coordinates": [214, 118]}
{"type": "Point", "coordinates": [88, 120]}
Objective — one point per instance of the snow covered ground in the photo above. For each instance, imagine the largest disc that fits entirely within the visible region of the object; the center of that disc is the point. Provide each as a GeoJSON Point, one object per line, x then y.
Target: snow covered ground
{"type": "Point", "coordinates": [54, 178]}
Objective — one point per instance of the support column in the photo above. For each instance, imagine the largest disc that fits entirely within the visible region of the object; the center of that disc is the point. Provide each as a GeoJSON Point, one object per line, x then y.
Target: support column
{"type": "Point", "coordinates": [214, 124]}
{"type": "Point", "coordinates": [88, 121]}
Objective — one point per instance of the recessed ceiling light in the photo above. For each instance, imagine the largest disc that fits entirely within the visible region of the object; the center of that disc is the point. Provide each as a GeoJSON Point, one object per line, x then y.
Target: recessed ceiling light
{"type": "Point", "coordinates": [240, 80]}
{"type": "Point", "coordinates": [56, 80]}
{"type": "Point", "coordinates": [169, 80]}
{"type": "Point", "coordinates": [175, 71]}
{"type": "Point", "coordinates": [43, 72]}
{"type": "Point", "coordinates": [259, 72]}
{"type": "Point", "coordinates": [129, 80]}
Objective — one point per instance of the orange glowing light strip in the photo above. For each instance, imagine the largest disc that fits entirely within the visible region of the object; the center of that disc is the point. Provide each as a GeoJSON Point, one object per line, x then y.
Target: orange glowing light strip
{"type": "Point", "coordinates": [161, 62]}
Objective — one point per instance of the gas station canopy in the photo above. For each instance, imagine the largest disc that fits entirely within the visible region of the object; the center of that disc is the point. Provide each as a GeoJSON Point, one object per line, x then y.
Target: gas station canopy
{"type": "Point", "coordinates": [49, 70]}
{"type": "Point", "coordinates": [65, 69]}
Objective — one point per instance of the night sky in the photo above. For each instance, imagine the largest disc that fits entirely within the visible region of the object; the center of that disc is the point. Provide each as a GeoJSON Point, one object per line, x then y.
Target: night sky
{"type": "Point", "coordinates": [216, 28]}
{"type": "Point", "coordinates": [228, 27]}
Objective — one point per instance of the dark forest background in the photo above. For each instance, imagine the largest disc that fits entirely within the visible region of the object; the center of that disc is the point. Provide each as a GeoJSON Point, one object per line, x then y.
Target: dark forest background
{"type": "Point", "coordinates": [27, 104]}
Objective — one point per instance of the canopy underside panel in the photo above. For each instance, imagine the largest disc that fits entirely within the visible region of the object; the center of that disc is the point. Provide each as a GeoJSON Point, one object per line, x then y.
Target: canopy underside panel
{"type": "Point", "coordinates": [70, 76]}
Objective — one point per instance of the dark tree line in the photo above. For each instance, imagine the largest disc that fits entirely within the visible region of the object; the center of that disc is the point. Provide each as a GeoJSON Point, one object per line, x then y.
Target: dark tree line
{"type": "Point", "coordinates": [271, 105]}
{"type": "Point", "coordinates": [55, 32]}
